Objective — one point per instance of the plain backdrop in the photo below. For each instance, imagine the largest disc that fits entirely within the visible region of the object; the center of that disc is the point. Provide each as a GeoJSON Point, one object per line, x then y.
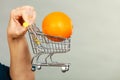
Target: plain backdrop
{"type": "Point", "coordinates": [95, 46]}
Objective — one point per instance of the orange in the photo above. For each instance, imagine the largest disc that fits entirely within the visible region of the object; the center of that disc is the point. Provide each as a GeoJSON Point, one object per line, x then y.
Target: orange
{"type": "Point", "coordinates": [57, 24]}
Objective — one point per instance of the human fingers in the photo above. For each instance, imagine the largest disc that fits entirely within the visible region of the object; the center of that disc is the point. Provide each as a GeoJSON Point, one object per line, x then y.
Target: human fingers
{"type": "Point", "coordinates": [24, 14]}
{"type": "Point", "coordinates": [16, 28]}
{"type": "Point", "coordinates": [28, 14]}
{"type": "Point", "coordinates": [16, 16]}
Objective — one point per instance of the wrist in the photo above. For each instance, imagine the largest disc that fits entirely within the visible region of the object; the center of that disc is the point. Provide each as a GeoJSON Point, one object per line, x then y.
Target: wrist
{"type": "Point", "coordinates": [17, 40]}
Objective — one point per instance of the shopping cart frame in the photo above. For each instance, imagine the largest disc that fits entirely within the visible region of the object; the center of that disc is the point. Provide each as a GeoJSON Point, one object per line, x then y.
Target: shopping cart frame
{"type": "Point", "coordinates": [42, 44]}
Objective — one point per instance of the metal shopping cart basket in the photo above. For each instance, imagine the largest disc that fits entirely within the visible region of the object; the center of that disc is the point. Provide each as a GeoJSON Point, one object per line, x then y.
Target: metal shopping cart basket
{"type": "Point", "coordinates": [42, 45]}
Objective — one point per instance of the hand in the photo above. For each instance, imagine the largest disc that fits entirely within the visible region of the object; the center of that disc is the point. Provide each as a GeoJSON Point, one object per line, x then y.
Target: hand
{"type": "Point", "coordinates": [17, 17]}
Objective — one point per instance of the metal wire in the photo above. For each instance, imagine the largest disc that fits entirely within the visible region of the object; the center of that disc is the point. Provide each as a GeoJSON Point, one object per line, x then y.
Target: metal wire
{"type": "Point", "coordinates": [41, 44]}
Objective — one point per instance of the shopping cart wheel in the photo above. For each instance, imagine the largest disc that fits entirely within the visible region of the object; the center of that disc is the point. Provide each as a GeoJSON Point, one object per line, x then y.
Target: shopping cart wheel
{"type": "Point", "coordinates": [38, 67]}
{"type": "Point", "coordinates": [65, 68]}
{"type": "Point", "coordinates": [33, 68]}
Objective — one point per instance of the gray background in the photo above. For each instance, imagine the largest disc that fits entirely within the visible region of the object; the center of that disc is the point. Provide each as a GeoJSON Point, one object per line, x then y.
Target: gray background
{"type": "Point", "coordinates": [95, 53]}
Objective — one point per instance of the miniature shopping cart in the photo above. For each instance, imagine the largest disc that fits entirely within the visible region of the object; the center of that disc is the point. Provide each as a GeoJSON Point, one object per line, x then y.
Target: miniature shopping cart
{"type": "Point", "coordinates": [42, 45]}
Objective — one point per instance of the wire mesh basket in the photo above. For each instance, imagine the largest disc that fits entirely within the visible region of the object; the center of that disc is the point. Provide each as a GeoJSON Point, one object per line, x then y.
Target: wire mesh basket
{"type": "Point", "coordinates": [42, 44]}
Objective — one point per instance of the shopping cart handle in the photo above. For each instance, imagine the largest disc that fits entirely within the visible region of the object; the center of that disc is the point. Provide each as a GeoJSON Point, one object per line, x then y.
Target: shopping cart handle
{"type": "Point", "coordinates": [25, 24]}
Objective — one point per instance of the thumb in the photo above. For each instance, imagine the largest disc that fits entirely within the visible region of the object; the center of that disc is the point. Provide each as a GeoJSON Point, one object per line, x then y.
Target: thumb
{"type": "Point", "coordinates": [21, 31]}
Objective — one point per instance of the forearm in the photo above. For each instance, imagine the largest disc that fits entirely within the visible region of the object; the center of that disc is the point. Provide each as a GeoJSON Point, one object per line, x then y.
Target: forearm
{"type": "Point", "coordinates": [20, 59]}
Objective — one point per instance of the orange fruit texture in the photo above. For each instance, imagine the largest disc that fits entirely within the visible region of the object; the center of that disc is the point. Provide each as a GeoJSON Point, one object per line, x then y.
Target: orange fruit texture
{"type": "Point", "coordinates": [57, 24]}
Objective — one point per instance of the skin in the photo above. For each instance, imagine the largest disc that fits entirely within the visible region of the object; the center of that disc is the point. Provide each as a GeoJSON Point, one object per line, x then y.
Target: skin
{"type": "Point", "coordinates": [20, 59]}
